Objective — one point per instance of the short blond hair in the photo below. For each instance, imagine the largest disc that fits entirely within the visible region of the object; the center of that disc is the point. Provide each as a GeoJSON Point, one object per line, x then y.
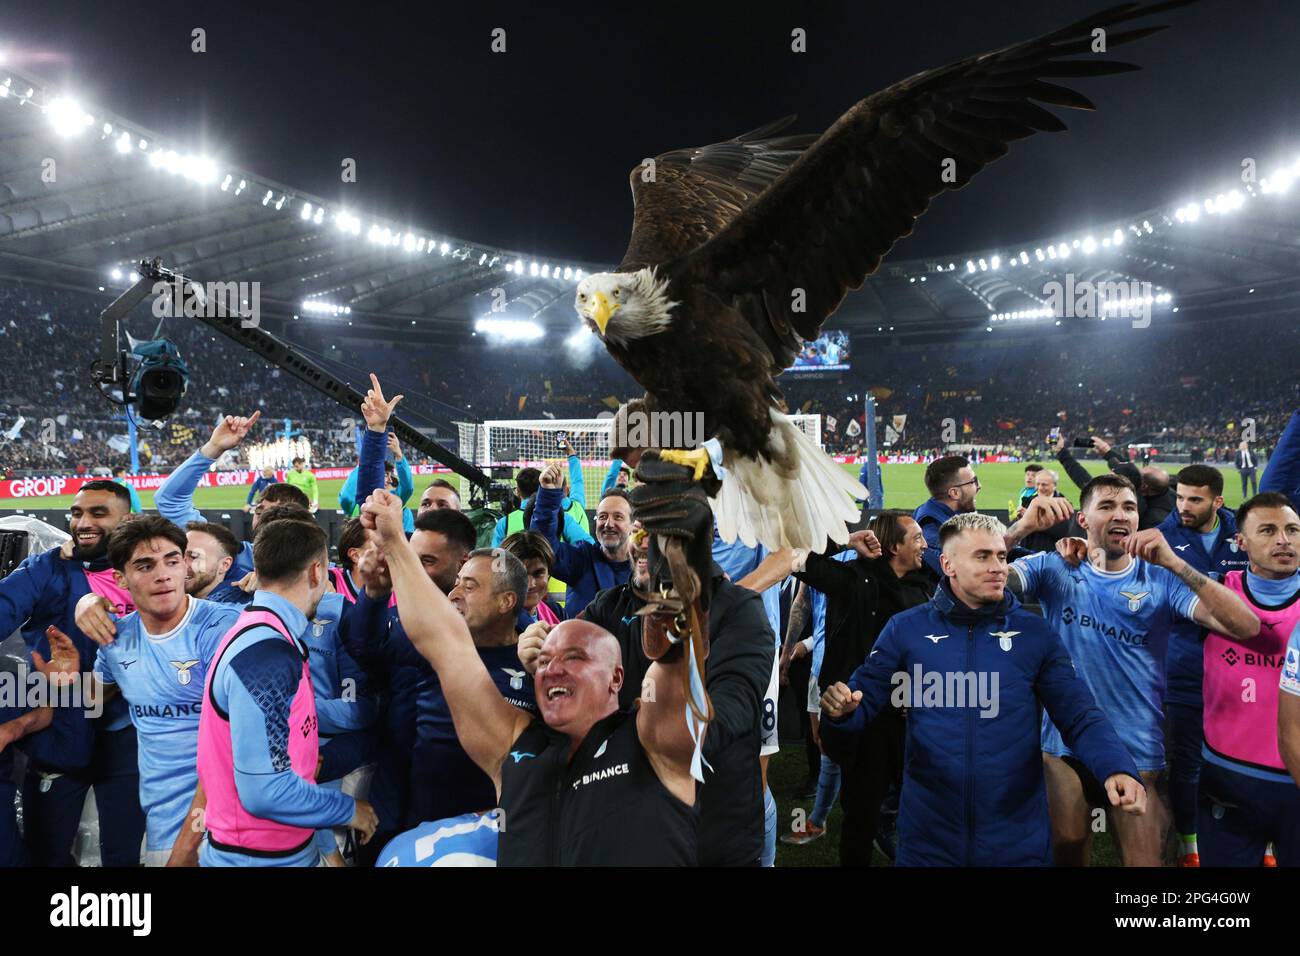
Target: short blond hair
{"type": "Point", "coordinates": [969, 521]}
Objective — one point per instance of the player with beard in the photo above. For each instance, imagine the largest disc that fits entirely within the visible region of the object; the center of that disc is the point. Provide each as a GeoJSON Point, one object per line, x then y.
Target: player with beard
{"type": "Point", "coordinates": [741, 644]}
{"type": "Point", "coordinates": [587, 783]}
{"type": "Point", "coordinates": [586, 567]}
{"type": "Point", "coordinates": [1247, 798]}
{"type": "Point", "coordinates": [42, 593]}
{"type": "Point", "coordinates": [953, 487]}
{"type": "Point", "coordinates": [1114, 599]}
{"type": "Point", "coordinates": [210, 553]}
{"type": "Point", "coordinates": [1204, 533]}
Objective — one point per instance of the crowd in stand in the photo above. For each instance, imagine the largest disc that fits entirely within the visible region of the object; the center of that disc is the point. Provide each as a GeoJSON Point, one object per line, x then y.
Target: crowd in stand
{"type": "Point", "coordinates": [1164, 386]}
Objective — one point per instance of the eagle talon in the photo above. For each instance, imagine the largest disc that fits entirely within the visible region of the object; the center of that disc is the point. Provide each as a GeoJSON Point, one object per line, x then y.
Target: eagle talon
{"type": "Point", "coordinates": [697, 459]}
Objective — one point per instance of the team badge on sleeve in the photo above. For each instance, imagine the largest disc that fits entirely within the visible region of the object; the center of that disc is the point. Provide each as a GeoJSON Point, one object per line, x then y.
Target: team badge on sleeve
{"type": "Point", "coordinates": [1291, 671]}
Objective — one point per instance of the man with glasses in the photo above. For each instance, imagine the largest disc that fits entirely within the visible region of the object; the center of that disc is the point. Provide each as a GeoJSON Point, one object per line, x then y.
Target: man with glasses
{"type": "Point", "coordinates": [953, 486]}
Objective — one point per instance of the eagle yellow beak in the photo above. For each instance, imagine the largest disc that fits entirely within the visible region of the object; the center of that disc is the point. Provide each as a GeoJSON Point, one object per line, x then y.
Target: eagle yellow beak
{"type": "Point", "coordinates": [600, 310]}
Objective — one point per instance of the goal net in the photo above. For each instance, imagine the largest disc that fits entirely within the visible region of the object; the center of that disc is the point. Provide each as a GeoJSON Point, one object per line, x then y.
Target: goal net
{"type": "Point", "coordinates": [525, 443]}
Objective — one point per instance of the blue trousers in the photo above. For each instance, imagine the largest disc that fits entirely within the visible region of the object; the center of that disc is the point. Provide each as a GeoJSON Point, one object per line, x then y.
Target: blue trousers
{"type": "Point", "coordinates": [1241, 815]}
{"type": "Point", "coordinates": [52, 807]}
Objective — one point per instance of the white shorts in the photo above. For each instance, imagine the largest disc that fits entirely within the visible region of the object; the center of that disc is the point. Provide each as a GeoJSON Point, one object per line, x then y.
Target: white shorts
{"type": "Point", "coordinates": [768, 735]}
{"type": "Point", "coordinates": [814, 696]}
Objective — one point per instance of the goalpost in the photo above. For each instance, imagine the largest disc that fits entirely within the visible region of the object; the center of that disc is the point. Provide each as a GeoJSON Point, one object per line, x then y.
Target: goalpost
{"type": "Point", "coordinates": [532, 442]}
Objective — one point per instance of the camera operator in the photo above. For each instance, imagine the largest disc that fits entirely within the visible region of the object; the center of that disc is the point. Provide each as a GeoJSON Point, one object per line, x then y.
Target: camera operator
{"type": "Point", "coordinates": [1156, 497]}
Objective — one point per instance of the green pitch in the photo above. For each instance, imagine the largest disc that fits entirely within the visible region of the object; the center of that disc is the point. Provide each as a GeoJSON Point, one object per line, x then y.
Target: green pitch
{"type": "Point", "coordinates": [1000, 485]}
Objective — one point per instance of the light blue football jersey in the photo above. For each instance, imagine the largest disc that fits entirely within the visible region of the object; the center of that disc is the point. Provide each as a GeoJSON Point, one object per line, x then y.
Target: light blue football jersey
{"type": "Point", "coordinates": [1116, 626]}
{"type": "Point", "coordinates": [161, 677]}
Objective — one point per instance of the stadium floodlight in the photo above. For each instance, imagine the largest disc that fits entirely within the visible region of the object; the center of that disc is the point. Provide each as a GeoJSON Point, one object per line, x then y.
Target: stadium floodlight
{"type": "Point", "coordinates": [66, 116]}
{"type": "Point", "coordinates": [995, 263]}
{"type": "Point", "coordinates": [306, 210]}
{"type": "Point", "coordinates": [568, 273]}
{"type": "Point", "coordinates": [482, 259]}
{"type": "Point", "coordinates": [116, 274]}
{"type": "Point", "coordinates": [320, 214]}
{"type": "Point", "coordinates": [970, 266]}
{"type": "Point", "coordinates": [533, 268]}
{"type": "Point", "coordinates": [578, 274]}
{"type": "Point", "coordinates": [1063, 251]}
{"type": "Point", "coordinates": [1051, 252]}
{"type": "Point", "coordinates": [108, 129]}
{"type": "Point", "coordinates": [546, 271]}
{"type": "Point", "coordinates": [444, 249]}
{"type": "Point", "coordinates": [280, 203]}
{"type": "Point", "coordinates": [124, 143]}
{"type": "Point", "coordinates": [267, 198]}
{"type": "Point", "coordinates": [200, 169]}
{"type": "Point", "coordinates": [171, 161]}
{"type": "Point", "coordinates": [144, 145]}
{"type": "Point", "coordinates": [1118, 237]}
{"type": "Point", "coordinates": [243, 184]}
{"type": "Point", "coordinates": [1089, 246]}
{"type": "Point", "coordinates": [408, 242]}
{"type": "Point", "coordinates": [511, 330]}
{"type": "Point", "coordinates": [581, 338]}
{"type": "Point", "coordinates": [156, 159]}
{"type": "Point", "coordinates": [519, 267]}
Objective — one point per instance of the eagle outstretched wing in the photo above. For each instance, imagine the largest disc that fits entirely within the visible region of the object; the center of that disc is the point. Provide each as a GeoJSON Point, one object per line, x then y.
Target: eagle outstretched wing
{"type": "Point", "coordinates": [693, 194]}
{"type": "Point", "coordinates": [825, 222]}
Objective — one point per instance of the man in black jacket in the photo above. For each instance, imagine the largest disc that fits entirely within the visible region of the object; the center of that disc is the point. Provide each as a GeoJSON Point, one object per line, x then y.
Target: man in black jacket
{"type": "Point", "coordinates": [1155, 494]}
{"type": "Point", "coordinates": [737, 673]}
{"type": "Point", "coordinates": [887, 576]}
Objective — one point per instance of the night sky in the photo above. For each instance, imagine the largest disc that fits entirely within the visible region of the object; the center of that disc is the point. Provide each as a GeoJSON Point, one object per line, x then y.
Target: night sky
{"type": "Point", "coordinates": [530, 150]}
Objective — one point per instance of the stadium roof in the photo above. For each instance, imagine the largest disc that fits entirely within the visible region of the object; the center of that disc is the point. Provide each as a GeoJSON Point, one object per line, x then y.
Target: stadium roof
{"type": "Point", "coordinates": [86, 192]}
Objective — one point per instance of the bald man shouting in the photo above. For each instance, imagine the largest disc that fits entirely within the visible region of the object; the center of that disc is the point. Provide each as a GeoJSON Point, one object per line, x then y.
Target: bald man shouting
{"type": "Point", "coordinates": [588, 784]}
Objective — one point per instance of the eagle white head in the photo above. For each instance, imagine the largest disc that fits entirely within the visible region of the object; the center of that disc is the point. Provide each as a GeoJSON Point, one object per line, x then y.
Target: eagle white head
{"type": "Point", "coordinates": [624, 306]}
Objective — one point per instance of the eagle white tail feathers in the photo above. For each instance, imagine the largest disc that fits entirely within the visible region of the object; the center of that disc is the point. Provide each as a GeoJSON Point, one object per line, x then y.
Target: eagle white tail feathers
{"type": "Point", "coordinates": [798, 500]}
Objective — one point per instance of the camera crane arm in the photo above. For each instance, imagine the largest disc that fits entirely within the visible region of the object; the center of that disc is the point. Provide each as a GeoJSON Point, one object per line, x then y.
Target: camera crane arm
{"type": "Point", "coordinates": [111, 367]}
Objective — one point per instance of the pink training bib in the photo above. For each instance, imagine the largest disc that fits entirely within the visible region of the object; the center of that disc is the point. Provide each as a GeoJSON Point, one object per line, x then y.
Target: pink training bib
{"type": "Point", "coordinates": [102, 583]}
{"type": "Point", "coordinates": [229, 825]}
{"type": "Point", "coordinates": [1241, 684]}
{"type": "Point", "coordinates": [343, 585]}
